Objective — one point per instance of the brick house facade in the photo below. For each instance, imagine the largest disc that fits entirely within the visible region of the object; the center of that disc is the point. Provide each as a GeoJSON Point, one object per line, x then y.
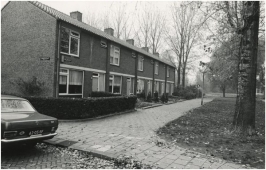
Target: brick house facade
{"type": "Point", "coordinates": [72, 58]}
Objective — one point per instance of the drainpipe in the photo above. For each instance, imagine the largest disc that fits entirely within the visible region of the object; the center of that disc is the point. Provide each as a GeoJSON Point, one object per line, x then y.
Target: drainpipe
{"type": "Point", "coordinates": [165, 80]}
{"type": "Point", "coordinates": [107, 73]}
{"type": "Point", "coordinates": [136, 74]}
{"type": "Point", "coordinates": [153, 72]}
{"type": "Point", "coordinates": [57, 61]}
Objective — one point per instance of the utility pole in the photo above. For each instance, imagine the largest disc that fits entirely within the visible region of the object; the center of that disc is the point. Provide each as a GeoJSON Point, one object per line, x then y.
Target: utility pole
{"type": "Point", "coordinates": [203, 65]}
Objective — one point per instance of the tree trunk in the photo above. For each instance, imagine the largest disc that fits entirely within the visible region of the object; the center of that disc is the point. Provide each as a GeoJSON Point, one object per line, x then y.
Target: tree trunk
{"type": "Point", "coordinates": [178, 73]}
{"type": "Point", "coordinates": [244, 119]}
{"type": "Point", "coordinates": [183, 77]}
{"type": "Point", "coordinates": [223, 91]}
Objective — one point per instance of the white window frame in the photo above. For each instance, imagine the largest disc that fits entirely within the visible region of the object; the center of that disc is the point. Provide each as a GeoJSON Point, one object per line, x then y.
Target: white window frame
{"type": "Point", "coordinates": [69, 44]}
{"type": "Point", "coordinates": [116, 49]}
{"type": "Point", "coordinates": [168, 72]}
{"type": "Point", "coordinates": [140, 63]}
{"type": "Point", "coordinates": [98, 76]}
{"type": "Point", "coordinates": [67, 74]}
{"type": "Point", "coordinates": [111, 77]}
{"type": "Point", "coordinates": [156, 69]}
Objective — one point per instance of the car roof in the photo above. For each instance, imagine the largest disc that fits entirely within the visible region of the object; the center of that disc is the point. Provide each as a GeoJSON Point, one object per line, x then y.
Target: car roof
{"type": "Point", "coordinates": [11, 97]}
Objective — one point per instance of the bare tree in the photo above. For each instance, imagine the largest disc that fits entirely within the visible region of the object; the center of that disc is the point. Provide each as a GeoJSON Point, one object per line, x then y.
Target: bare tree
{"type": "Point", "coordinates": [186, 25]}
{"type": "Point", "coordinates": [93, 20]}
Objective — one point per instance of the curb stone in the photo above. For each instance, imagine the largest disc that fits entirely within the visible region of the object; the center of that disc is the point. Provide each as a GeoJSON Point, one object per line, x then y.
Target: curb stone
{"type": "Point", "coordinates": [99, 117]}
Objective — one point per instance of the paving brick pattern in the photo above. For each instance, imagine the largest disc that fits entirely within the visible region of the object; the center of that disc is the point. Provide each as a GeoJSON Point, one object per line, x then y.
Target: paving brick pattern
{"type": "Point", "coordinates": [133, 134]}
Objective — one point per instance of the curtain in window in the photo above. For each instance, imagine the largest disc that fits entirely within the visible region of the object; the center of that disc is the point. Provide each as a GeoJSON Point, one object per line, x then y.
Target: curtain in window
{"type": "Point", "coordinates": [75, 77]}
{"type": "Point", "coordinates": [63, 80]}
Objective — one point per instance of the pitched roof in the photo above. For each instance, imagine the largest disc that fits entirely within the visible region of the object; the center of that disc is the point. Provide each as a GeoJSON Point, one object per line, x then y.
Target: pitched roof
{"type": "Point", "coordinates": [61, 16]}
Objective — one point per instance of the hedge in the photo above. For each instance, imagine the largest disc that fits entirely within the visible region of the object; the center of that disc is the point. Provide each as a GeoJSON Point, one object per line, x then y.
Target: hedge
{"type": "Point", "coordinates": [75, 108]}
{"type": "Point", "coordinates": [103, 94]}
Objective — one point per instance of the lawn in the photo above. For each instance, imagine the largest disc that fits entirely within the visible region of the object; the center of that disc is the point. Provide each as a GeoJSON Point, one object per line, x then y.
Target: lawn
{"type": "Point", "coordinates": [208, 130]}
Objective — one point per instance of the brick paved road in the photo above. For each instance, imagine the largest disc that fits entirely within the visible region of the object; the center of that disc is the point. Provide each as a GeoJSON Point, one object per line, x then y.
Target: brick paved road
{"type": "Point", "coordinates": [133, 134]}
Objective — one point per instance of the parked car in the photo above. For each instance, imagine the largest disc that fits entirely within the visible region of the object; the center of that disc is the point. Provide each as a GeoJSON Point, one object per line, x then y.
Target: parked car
{"type": "Point", "coordinates": [22, 124]}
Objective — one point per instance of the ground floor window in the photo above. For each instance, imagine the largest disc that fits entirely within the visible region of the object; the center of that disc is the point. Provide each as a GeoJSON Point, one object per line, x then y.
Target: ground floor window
{"type": "Point", "coordinates": [172, 89]}
{"type": "Point", "coordinates": [140, 86]}
{"type": "Point", "coordinates": [156, 86]}
{"type": "Point", "coordinates": [70, 81]}
{"type": "Point", "coordinates": [162, 87]}
{"type": "Point", "coordinates": [115, 84]}
{"type": "Point", "coordinates": [130, 86]}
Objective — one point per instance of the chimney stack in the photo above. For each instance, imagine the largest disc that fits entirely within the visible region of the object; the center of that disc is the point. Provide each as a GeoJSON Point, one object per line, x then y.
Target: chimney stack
{"type": "Point", "coordinates": [109, 31]}
{"type": "Point", "coordinates": [76, 15]}
{"type": "Point", "coordinates": [130, 41]}
{"type": "Point", "coordinates": [145, 49]}
{"type": "Point", "coordinates": [157, 54]}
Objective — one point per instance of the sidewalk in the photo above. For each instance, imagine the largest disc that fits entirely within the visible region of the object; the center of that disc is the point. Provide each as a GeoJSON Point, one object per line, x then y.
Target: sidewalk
{"type": "Point", "coordinates": [133, 134]}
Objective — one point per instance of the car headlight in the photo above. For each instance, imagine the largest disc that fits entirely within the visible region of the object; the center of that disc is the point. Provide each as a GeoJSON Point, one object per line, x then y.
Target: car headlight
{"type": "Point", "coordinates": [10, 134]}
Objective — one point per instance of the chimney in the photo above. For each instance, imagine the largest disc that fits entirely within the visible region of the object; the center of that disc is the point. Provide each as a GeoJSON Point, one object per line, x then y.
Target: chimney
{"type": "Point", "coordinates": [76, 15]}
{"type": "Point", "coordinates": [130, 41]}
{"type": "Point", "coordinates": [109, 31]}
{"type": "Point", "coordinates": [145, 48]}
{"type": "Point", "coordinates": [157, 54]}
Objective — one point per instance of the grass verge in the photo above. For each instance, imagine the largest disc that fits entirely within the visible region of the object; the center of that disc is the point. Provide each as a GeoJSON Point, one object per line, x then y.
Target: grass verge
{"type": "Point", "coordinates": [207, 130]}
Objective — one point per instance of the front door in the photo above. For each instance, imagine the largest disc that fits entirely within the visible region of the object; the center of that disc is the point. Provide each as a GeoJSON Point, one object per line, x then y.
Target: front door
{"type": "Point", "coordinates": [95, 82]}
{"type": "Point", "coordinates": [128, 86]}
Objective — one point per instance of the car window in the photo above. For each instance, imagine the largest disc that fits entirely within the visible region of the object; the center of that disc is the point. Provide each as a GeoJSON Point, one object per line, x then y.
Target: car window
{"type": "Point", "coordinates": [14, 105]}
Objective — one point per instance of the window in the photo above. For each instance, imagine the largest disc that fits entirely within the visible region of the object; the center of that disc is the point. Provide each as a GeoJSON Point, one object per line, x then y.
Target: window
{"type": "Point", "coordinates": [69, 42]}
{"type": "Point", "coordinates": [162, 87]}
{"type": "Point", "coordinates": [156, 68]}
{"type": "Point", "coordinates": [140, 63]}
{"type": "Point", "coordinates": [114, 55]}
{"type": "Point", "coordinates": [70, 81]}
{"type": "Point", "coordinates": [168, 72]}
{"type": "Point", "coordinates": [140, 86]}
{"type": "Point", "coordinates": [156, 86]}
{"type": "Point", "coordinates": [115, 84]}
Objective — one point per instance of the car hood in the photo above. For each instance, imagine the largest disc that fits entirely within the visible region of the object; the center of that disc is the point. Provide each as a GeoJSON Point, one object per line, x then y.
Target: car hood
{"type": "Point", "coordinates": [24, 116]}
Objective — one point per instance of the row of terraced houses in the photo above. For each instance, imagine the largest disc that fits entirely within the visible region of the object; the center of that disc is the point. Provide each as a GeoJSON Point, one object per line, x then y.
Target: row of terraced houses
{"type": "Point", "coordinates": [72, 58]}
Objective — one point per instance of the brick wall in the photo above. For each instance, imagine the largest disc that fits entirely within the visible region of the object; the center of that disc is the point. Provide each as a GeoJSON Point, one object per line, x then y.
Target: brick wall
{"type": "Point", "coordinates": [28, 34]}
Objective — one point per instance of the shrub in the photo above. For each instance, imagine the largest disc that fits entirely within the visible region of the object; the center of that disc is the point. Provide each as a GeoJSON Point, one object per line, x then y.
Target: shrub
{"type": "Point", "coordinates": [156, 97]}
{"type": "Point", "coordinates": [103, 94]}
{"type": "Point", "coordinates": [149, 97]}
{"type": "Point", "coordinates": [78, 108]}
{"type": "Point", "coordinates": [32, 87]}
{"type": "Point", "coordinates": [164, 98]}
{"type": "Point", "coordinates": [141, 95]}
{"type": "Point", "coordinates": [188, 92]}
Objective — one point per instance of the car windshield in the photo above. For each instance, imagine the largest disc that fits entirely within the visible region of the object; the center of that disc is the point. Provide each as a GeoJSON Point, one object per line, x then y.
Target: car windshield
{"type": "Point", "coordinates": [15, 105]}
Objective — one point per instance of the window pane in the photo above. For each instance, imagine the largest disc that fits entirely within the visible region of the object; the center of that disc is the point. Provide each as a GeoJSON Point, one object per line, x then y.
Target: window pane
{"type": "Point", "coordinates": [75, 82]}
{"type": "Point", "coordinates": [74, 34]}
{"type": "Point", "coordinates": [65, 40]}
{"type": "Point", "coordinates": [116, 61]}
{"type": "Point", "coordinates": [74, 46]}
{"type": "Point", "coordinates": [110, 85]}
{"type": "Point", "coordinates": [111, 60]}
{"type": "Point", "coordinates": [62, 84]}
{"type": "Point", "coordinates": [117, 84]}
{"type": "Point", "coordinates": [112, 51]}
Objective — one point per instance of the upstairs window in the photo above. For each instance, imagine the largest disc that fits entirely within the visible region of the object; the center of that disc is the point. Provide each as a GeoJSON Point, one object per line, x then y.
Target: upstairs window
{"type": "Point", "coordinates": [140, 63]}
{"type": "Point", "coordinates": [156, 68]}
{"type": "Point", "coordinates": [168, 72]}
{"type": "Point", "coordinates": [114, 55]}
{"type": "Point", "coordinates": [69, 42]}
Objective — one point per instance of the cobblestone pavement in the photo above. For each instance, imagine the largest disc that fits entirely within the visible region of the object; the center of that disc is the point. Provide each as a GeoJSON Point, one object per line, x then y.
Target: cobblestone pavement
{"type": "Point", "coordinates": [133, 134]}
{"type": "Point", "coordinates": [50, 157]}
{"type": "Point", "coordinates": [34, 158]}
